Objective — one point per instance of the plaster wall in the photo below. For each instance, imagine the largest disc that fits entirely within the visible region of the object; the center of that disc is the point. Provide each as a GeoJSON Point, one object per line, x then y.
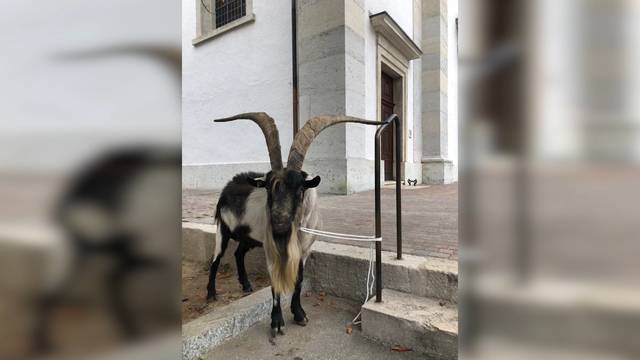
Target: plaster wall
{"type": "Point", "coordinates": [245, 69]}
{"type": "Point", "coordinates": [249, 69]}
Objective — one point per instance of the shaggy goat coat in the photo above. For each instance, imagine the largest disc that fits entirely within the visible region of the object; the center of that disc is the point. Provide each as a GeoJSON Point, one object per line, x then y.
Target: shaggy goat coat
{"type": "Point", "coordinates": [283, 268]}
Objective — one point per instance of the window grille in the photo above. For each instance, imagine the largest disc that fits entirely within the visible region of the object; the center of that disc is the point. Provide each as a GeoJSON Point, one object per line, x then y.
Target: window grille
{"type": "Point", "coordinates": [229, 10]}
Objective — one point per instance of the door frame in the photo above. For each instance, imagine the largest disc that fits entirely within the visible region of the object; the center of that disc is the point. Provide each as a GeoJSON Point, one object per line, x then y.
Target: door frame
{"type": "Point", "coordinates": [391, 61]}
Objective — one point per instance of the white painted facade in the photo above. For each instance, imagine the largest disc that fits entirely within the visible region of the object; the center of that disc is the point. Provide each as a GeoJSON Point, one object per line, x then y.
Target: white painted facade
{"type": "Point", "coordinates": [248, 68]}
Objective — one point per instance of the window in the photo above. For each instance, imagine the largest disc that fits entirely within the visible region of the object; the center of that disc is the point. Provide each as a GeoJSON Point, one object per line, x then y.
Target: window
{"type": "Point", "coordinates": [215, 17]}
{"type": "Point", "coordinates": [229, 10]}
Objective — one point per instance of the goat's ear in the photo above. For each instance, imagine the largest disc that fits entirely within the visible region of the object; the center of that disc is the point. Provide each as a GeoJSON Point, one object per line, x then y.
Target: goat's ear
{"type": "Point", "coordinates": [312, 183]}
{"type": "Point", "coordinates": [257, 182]}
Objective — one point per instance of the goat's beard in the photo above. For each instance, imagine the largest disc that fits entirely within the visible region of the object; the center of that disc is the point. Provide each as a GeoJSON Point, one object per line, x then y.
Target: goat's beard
{"type": "Point", "coordinates": [284, 260]}
{"type": "Point", "coordinates": [282, 242]}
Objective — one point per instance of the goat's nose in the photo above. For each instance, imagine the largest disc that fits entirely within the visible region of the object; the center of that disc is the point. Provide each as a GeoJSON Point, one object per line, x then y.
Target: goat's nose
{"type": "Point", "coordinates": [280, 222]}
{"type": "Point", "coordinates": [280, 218]}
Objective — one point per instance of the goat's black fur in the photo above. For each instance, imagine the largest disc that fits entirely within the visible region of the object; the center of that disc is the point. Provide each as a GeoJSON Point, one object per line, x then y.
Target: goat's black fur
{"type": "Point", "coordinates": [234, 197]}
{"type": "Point", "coordinates": [104, 183]}
{"type": "Point", "coordinates": [235, 193]}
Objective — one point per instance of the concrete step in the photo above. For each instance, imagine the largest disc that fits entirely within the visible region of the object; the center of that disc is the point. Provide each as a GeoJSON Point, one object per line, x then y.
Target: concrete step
{"type": "Point", "coordinates": [198, 243]}
{"type": "Point", "coordinates": [339, 270]}
{"type": "Point", "coordinates": [425, 325]}
{"type": "Point", "coordinates": [324, 338]}
{"type": "Point", "coordinates": [568, 313]}
{"type": "Point", "coordinates": [210, 330]}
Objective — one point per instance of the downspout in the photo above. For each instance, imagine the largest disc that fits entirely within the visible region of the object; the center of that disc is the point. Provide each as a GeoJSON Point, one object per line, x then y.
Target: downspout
{"type": "Point", "coordinates": [294, 62]}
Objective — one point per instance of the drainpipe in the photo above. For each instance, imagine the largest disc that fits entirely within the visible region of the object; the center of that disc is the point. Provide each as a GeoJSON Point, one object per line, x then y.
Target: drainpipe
{"type": "Point", "coordinates": [294, 58]}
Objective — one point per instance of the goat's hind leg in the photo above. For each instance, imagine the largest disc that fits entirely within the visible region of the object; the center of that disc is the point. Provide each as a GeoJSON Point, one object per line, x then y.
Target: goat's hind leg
{"type": "Point", "coordinates": [241, 251]}
{"type": "Point", "coordinates": [299, 315]}
{"type": "Point", "coordinates": [225, 234]}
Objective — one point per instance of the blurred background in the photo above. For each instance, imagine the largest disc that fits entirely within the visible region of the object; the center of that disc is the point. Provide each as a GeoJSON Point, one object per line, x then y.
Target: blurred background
{"type": "Point", "coordinates": [550, 168]}
{"type": "Point", "coordinates": [90, 179]}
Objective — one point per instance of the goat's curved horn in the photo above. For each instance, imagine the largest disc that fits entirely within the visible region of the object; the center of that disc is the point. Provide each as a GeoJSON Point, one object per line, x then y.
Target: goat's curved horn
{"type": "Point", "coordinates": [310, 130]}
{"type": "Point", "coordinates": [270, 131]}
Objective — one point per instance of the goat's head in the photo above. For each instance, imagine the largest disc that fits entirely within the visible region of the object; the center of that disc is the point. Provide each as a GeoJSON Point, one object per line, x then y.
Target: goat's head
{"type": "Point", "coordinates": [285, 193]}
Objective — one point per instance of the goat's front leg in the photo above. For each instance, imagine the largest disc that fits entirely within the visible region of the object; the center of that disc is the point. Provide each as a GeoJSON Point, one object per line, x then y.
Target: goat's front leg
{"type": "Point", "coordinates": [277, 321]}
{"type": "Point", "coordinates": [299, 316]}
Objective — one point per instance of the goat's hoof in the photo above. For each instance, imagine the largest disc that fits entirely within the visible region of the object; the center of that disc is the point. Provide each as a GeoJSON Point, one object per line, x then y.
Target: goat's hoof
{"type": "Point", "coordinates": [302, 322]}
{"type": "Point", "coordinates": [272, 337]}
{"type": "Point", "coordinates": [211, 298]}
{"type": "Point", "coordinates": [247, 290]}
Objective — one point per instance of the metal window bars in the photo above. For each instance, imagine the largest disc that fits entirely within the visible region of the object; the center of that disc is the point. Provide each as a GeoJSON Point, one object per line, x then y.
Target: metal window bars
{"type": "Point", "coordinates": [227, 11]}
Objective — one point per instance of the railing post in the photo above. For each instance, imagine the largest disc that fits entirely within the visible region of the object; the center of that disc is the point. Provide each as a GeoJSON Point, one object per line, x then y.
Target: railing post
{"type": "Point", "coordinates": [378, 213]}
{"type": "Point", "coordinates": [378, 229]}
{"type": "Point", "coordinates": [398, 128]}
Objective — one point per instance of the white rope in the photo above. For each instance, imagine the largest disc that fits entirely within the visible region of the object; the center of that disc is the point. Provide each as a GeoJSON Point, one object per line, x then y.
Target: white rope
{"type": "Point", "coordinates": [371, 278]}
{"type": "Point", "coordinates": [334, 233]}
{"type": "Point", "coordinates": [342, 236]}
{"type": "Point", "coordinates": [369, 294]}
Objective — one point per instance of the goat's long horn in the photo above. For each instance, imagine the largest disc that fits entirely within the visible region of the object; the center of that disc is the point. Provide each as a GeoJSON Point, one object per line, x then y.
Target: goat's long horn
{"type": "Point", "coordinates": [310, 130]}
{"type": "Point", "coordinates": [270, 131]}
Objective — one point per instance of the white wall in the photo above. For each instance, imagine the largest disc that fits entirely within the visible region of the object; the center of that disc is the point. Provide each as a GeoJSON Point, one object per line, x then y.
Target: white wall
{"type": "Point", "coordinates": [249, 69]}
{"type": "Point", "coordinates": [246, 69]}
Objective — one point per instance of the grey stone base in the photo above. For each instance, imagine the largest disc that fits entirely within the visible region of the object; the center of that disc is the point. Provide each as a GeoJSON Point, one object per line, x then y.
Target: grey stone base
{"type": "Point", "coordinates": [339, 176]}
{"type": "Point", "coordinates": [413, 322]}
{"type": "Point", "coordinates": [413, 171]}
{"type": "Point", "coordinates": [438, 171]}
{"type": "Point", "coordinates": [216, 176]}
{"type": "Point", "coordinates": [342, 176]}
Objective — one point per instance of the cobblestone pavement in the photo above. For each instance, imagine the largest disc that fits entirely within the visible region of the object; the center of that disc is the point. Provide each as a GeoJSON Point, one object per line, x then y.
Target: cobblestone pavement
{"type": "Point", "coordinates": [430, 217]}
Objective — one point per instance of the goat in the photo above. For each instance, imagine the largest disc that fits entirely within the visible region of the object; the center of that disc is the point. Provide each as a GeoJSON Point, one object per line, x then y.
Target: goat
{"type": "Point", "coordinates": [268, 210]}
{"type": "Point", "coordinates": [97, 213]}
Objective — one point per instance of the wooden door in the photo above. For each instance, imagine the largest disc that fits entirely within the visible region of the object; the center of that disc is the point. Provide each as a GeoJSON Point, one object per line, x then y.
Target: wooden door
{"type": "Point", "coordinates": [386, 141]}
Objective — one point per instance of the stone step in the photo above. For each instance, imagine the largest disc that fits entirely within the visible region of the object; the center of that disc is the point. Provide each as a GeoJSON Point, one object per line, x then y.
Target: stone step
{"type": "Point", "coordinates": [340, 270]}
{"type": "Point", "coordinates": [425, 325]}
{"type": "Point", "coordinates": [586, 315]}
{"type": "Point", "coordinates": [208, 331]}
{"type": "Point", "coordinates": [198, 243]}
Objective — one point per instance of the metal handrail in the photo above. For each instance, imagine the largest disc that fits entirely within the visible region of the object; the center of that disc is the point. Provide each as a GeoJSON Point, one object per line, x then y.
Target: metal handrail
{"type": "Point", "coordinates": [378, 224]}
